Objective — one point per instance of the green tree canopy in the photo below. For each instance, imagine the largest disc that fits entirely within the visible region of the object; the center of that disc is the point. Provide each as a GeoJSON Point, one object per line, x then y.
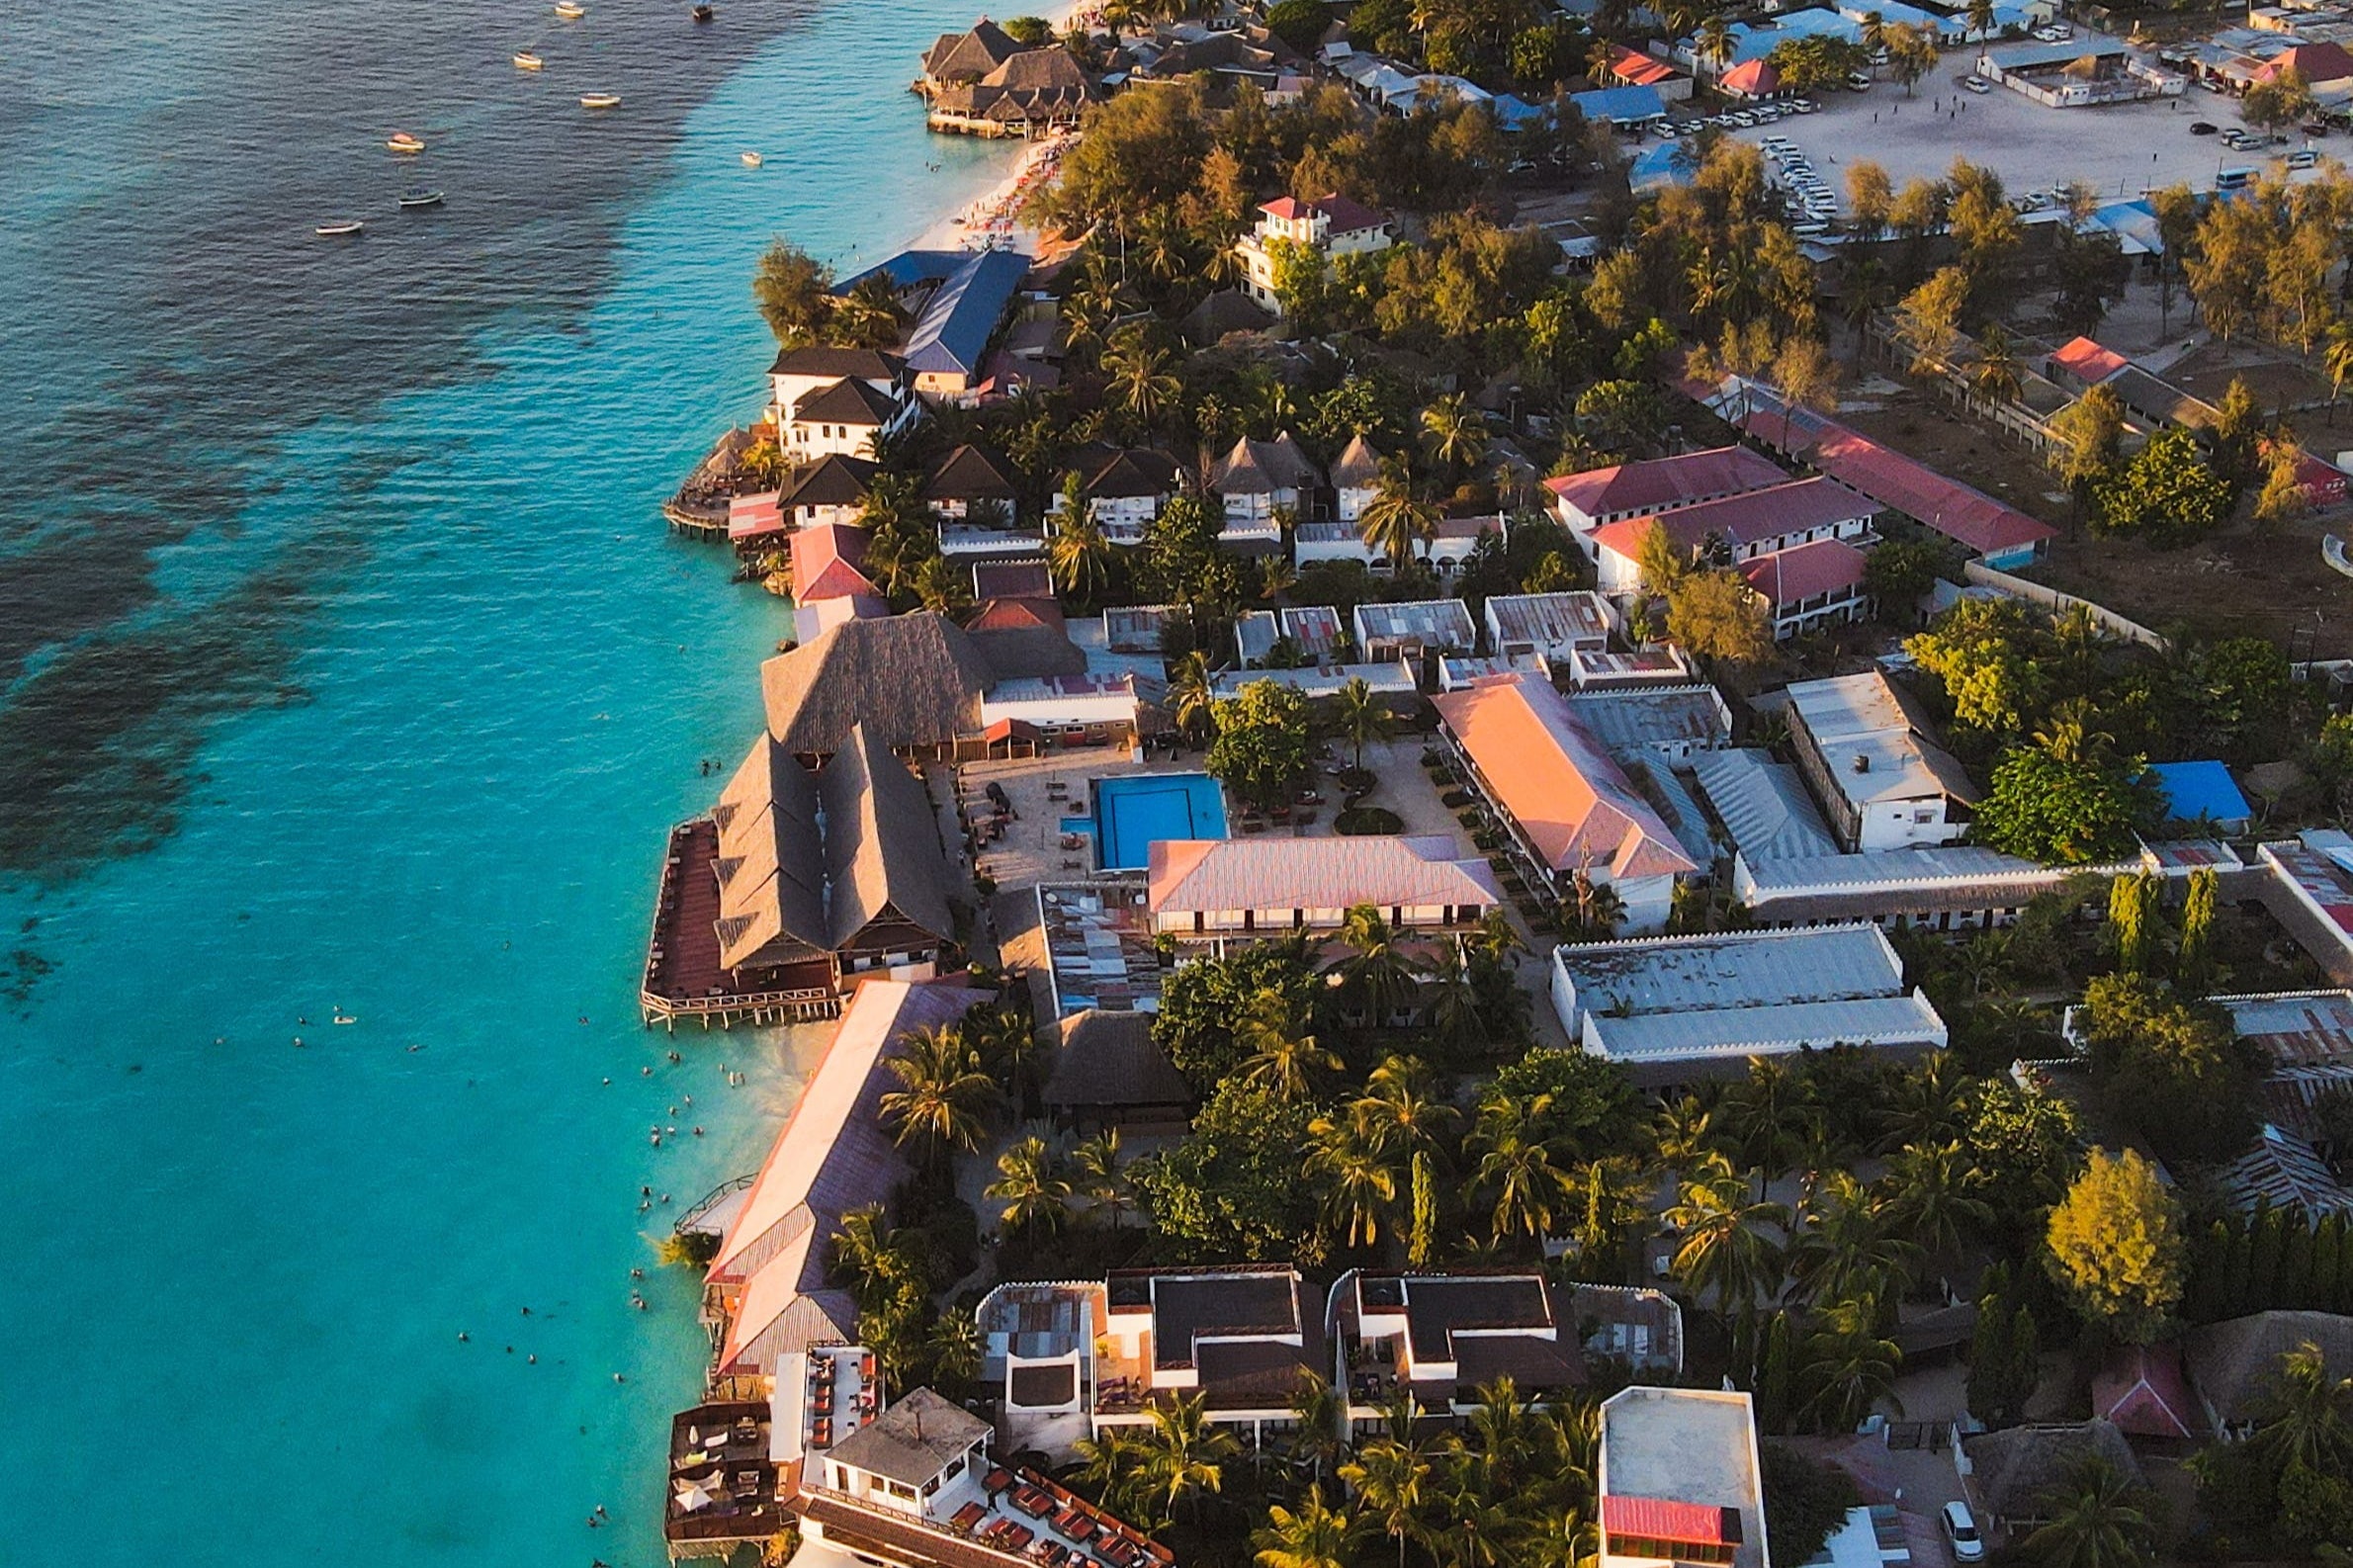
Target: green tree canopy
{"type": "Point", "coordinates": [1261, 748]}
{"type": "Point", "coordinates": [2177, 1071]}
{"type": "Point", "coordinates": [2062, 812]}
{"type": "Point", "coordinates": [1230, 1192]}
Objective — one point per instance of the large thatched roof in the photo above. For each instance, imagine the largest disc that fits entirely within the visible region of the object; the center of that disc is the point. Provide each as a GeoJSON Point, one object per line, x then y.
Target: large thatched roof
{"type": "Point", "coordinates": [913, 680]}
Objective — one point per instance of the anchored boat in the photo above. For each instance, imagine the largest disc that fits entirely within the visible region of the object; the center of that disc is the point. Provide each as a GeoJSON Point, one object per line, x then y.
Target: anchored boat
{"type": "Point", "coordinates": [343, 230]}
{"type": "Point", "coordinates": [528, 61]}
{"type": "Point", "coordinates": [702, 13]}
{"type": "Point", "coordinates": [415, 199]}
{"type": "Point", "coordinates": [571, 10]}
{"type": "Point", "coordinates": [403, 141]}
{"type": "Point", "coordinates": [752, 160]}
{"type": "Point", "coordinates": [600, 100]}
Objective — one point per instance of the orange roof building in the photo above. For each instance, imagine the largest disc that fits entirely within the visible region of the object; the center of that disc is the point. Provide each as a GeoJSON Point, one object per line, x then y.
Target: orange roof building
{"type": "Point", "coordinates": [1571, 809]}
{"type": "Point", "coordinates": [1749, 79]}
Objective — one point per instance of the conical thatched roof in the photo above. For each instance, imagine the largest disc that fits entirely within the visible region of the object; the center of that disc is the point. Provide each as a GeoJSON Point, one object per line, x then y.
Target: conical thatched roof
{"type": "Point", "coordinates": [1357, 468]}
{"type": "Point", "coordinates": [969, 56]}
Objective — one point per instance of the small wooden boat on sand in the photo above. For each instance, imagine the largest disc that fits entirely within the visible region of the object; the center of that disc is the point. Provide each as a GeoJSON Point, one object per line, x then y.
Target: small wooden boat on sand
{"type": "Point", "coordinates": [342, 230]}
{"type": "Point", "coordinates": [600, 100]}
{"type": "Point", "coordinates": [525, 60]}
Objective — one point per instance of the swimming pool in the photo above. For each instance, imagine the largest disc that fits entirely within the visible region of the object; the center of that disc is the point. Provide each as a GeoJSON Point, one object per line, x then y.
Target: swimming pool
{"type": "Point", "coordinates": [1133, 812]}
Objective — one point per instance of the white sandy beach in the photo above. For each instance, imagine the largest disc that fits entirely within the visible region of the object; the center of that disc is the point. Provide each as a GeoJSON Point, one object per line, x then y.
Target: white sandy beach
{"type": "Point", "coordinates": [988, 218]}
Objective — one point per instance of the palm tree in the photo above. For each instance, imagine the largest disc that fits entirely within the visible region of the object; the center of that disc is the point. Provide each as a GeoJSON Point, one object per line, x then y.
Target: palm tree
{"type": "Point", "coordinates": [1495, 937]}
{"type": "Point", "coordinates": [867, 1252]}
{"type": "Point", "coordinates": [1391, 1479]}
{"type": "Point", "coordinates": [1358, 716]}
{"type": "Point", "coordinates": [1768, 1113]}
{"type": "Point", "coordinates": [1400, 519]}
{"type": "Point", "coordinates": [1715, 41]}
{"type": "Point", "coordinates": [2336, 362]}
{"type": "Point", "coordinates": [1993, 372]}
{"type": "Point", "coordinates": [1981, 18]}
{"type": "Point", "coordinates": [1483, 1531]}
{"type": "Point", "coordinates": [1377, 975]}
{"type": "Point", "coordinates": [945, 1097]}
{"type": "Point", "coordinates": [1458, 436]}
{"type": "Point", "coordinates": [1598, 907]}
{"type": "Point", "coordinates": [1279, 1057]}
{"type": "Point", "coordinates": [1138, 373]}
{"type": "Point", "coordinates": [1514, 1134]}
{"type": "Point", "coordinates": [870, 314]}
{"type": "Point", "coordinates": [1685, 1132]}
{"type": "Point", "coordinates": [1930, 1197]}
{"type": "Point", "coordinates": [1401, 1108]}
{"type": "Point", "coordinates": [1098, 1160]}
{"type": "Point", "coordinates": [1079, 554]}
{"type": "Point", "coordinates": [2305, 1415]}
{"type": "Point", "coordinates": [953, 1347]}
{"type": "Point", "coordinates": [1112, 1462]}
{"type": "Point", "coordinates": [941, 587]}
{"type": "Point", "coordinates": [1313, 1536]}
{"type": "Point", "coordinates": [1453, 1014]}
{"type": "Point", "coordinates": [2094, 1519]}
{"type": "Point", "coordinates": [1316, 1411]}
{"type": "Point", "coordinates": [1849, 1368]}
{"type": "Point", "coordinates": [1030, 1185]}
{"type": "Point", "coordinates": [1163, 247]}
{"type": "Point", "coordinates": [1191, 695]}
{"type": "Point", "coordinates": [1607, 1200]}
{"type": "Point", "coordinates": [1846, 1249]}
{"type": "Point", "coordinates": [1358, 1177]}
{"type": "Point", "coordinates": [1730, 1247]}
{"type": "Point", "coordinates": [1183, 1451]}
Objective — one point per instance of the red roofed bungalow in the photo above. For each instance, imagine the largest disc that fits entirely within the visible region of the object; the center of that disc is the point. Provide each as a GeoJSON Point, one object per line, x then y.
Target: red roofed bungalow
{"type": "Point", "coordinates": [1809, 587]}
{"type": "Point", "coordinates": [2142, 1391]}
{"type": "Point", "coordinates": [2085, 362]}
{"type": "Point", "coordinates": [1621, 491]}
{"type": "Point", "coordinates": [828, 559]}
{"type": "Point", "coordinates": [1634, 68]}
{"type": "Point", "coordinates": [1749, 79]}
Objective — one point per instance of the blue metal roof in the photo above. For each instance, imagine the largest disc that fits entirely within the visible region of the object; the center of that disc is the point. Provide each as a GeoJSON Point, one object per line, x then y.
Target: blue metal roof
{"type": "Point", "coordinates": [909, 268]}
{"type": "Point", "coordinates": [1624, 106]}
{"type": "Point", "coordinates": [957, 322]}
{"type": "Point", "coordinates": [2195, 789]}
{"type": "Point", "coordinates": [1668, 163]}
{"type": "Point", "coordinates": [1512, 112]}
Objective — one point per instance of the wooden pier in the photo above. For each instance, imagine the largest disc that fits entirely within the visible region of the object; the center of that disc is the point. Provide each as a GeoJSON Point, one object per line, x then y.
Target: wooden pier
{"type": "Point", "coordinates": [683, 975]}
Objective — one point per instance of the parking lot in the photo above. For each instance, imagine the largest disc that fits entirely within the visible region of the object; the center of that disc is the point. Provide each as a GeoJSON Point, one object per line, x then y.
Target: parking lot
{"type": "Point", "coordinates": [2120, 149]}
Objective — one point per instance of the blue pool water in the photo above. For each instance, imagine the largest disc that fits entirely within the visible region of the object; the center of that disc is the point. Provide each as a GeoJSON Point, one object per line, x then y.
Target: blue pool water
{"type": "Point", "coordinates": [1134, 813]}
{"type": "Point", "coordinates": [345, 667]}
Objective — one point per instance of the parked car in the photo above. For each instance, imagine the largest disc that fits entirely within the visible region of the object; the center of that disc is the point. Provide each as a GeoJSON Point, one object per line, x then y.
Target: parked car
{"type": "Point", "coordinates": [1804, 105]}
{"type": "Point", "coordinates": [1977, 84]}
{"type": "Point", "coordinates": [2303, 158]}
{"type": "Point", "coordinates": [2202, 128]}
{"type": "Point", "coordinates": [1857, 82]}
{"type": "Point", "coordinates": [1961, 1529]}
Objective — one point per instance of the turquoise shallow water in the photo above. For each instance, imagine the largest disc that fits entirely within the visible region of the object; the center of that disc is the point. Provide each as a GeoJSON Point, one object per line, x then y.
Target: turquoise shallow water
{"type": "Point", "coordinates": [472, 681]}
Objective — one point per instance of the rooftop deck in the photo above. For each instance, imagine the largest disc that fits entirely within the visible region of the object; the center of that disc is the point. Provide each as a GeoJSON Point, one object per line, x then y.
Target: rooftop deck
{"type": "Point", "coordinates": [998, 1519]}
{"type": "Point", "coordinates": [723, 1484]}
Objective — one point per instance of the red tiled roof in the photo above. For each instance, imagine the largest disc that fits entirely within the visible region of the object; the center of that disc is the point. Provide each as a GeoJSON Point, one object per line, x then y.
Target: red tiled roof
{"type": "Point", "coordinates": [1637, 70]}
{"type": "Point", "coordinates": [1786, 576]}
{"type": "Point", "coordinates": [2314, 62]}
{"type": "Point", "coordinates": [2088, 361]}
{"type": "Point", "coordinates": [1753, 77]}
{"type": "Point", "coordinates": [819, 545]}
{"type": "Point", "coordinates": [1665, 483]}
{"type": "Point", "coordinates": [1747, 518]}
{"type": "Point", "coordinates": [1568, 795]}
{"type": "Point", "coordinates": [1966, 516]}
{"type": "Point", "coordinates": [836, 579]}
{"type": "Point", "coordinates": [1016, 615]}
{"type": "Point", "coordinates": [1659, 1518]}
{"type": "Point", "coordinates": [1345, 217]}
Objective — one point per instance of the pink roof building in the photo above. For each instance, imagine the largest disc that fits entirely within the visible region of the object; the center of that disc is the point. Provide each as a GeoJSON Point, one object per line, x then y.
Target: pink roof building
{"type": "Point", "coordinates": [1636, 489]}
{"type": "Point", "coordinates": [2142, 1389]}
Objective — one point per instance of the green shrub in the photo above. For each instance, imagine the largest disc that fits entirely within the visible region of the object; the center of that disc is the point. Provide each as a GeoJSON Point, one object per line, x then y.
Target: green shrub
{"type": "Point", "coordinates": [1456, 800]}
{"type": "Point", "coordinates": [1359, 820]}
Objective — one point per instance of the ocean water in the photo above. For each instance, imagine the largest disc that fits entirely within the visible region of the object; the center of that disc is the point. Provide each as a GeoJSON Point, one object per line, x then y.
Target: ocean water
{"type": "Point", "coordinates": [346, 671]}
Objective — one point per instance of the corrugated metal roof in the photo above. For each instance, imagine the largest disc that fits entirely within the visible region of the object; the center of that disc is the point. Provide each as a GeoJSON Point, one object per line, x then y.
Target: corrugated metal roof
{"type": "Point", "coordinates": [1660, 1518]}
{"type": "Point", "coordinates": [1548, 617]}
{"type": "Point", "coordinates": [1731, 970]}
{"type": "Point", "coordinates": [1436, 623]}
{"type": "Point", "coordinates": [959, 320]}
{"type": "Point", "coordinates": [1870, 745]}
{"type": "Point", "coordinates": [1765, 1031]}
{"type": "Point", "coordinates": [1763, 805]}
{"type": "Point", "coordinates": [1211, 875]}
{"type": "Point", "coordinates": [1649, 718]}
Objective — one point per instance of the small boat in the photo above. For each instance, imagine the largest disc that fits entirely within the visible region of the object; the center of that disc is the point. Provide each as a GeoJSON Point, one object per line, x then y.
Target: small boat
{"type": "Point", "coordinates": [571, 10]}
{"type": "Point", "coordinates": [343, 230]}
{"type": "Point", "coordinates": [403, 141]}
{"type": "Point", "coordinates": [702, 13]}
{"type": "Point", "coordinates": [752, 160]}
{"type": "Point", "coordinates": [416, 199]}
{"type": "Point", "coordinates": [600, 100]}
{"type": "Point", "coordinates": [528, 61]}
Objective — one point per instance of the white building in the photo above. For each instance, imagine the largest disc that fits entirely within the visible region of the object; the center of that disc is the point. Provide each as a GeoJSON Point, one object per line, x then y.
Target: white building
{"type": "Point", "coordinates": [1737, 529]}
{"type": "Point", "coordinates": [1355, 479]}
{"type": "Point", "coordinates": [1223, 889]}
{"type": "Point", "coordinates": [1127, 493]}
{"type": "Point", "coordinates": [1882, 783]}
{"type": "Point", "coordinates": [1678, 1008]}
{"type": "Point", "coordinates": [839, 417]}
{"type": "Point", "coordinates": [1442, 1337]}
{"type": "Point", "coordinates": [1258, 484]}
{"type": "Point", "coordinates": [1681, 1481]}
{"type": "Point", "coordinates": [1331, 226]}
{"type": "Point", "coordinates": [1411, 628]}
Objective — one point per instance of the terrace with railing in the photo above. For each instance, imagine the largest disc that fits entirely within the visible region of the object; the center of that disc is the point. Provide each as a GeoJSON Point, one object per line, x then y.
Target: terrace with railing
{"type": "Point", "coordinates": [1000, 1519]}
{"type": "Point", "coordinates": [684, 977]}
{"type": "Point", "coordinates": [723, 1484]}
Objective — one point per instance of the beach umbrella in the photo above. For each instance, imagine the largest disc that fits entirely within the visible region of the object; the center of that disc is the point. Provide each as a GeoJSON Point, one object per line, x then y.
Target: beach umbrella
{"type": "Point", "coordinates": [694, 1496]}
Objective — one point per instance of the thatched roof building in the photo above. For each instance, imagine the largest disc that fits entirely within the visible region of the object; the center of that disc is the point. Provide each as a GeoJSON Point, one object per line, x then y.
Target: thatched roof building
{"type": "Point", "coordinates": [914, 681]}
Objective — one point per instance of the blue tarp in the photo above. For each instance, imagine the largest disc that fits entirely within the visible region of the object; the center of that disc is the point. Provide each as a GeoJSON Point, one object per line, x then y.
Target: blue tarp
{"type": "Point", "coordinates": [2195, 791]}
{"type": "Point", "coordinates": [1624, 106]}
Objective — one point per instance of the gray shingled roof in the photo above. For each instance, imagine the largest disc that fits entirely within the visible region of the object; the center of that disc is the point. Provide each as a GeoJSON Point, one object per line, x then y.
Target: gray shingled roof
{"type": "Point", "coordinates": [913, 1441]}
